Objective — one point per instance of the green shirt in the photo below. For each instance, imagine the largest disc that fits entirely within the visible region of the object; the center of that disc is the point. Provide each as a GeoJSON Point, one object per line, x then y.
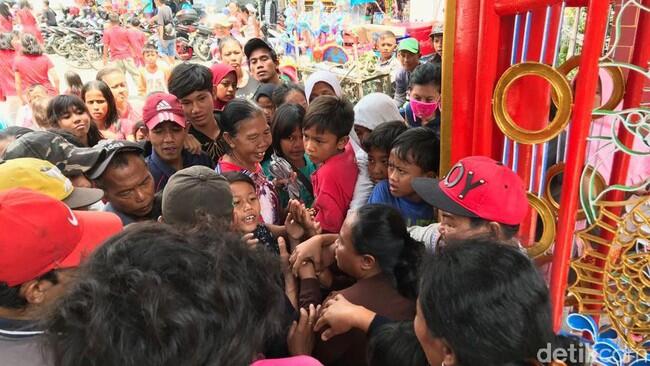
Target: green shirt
{"type": "Point", "coordinates": [306, 197]}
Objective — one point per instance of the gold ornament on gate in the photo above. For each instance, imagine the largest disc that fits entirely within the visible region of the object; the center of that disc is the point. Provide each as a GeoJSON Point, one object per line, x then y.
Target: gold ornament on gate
{"type": "Point", "coordinates": [556, 170]}
{"type": "Point", "coordinates": [548, 222]}
{"type": "Point", "coordinates": [560, 87]}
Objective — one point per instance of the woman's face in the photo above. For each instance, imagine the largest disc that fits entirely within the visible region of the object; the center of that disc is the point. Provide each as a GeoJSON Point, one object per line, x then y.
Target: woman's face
{"type": "Point", "coordinates": [347, 257]}
{"type": "Point", "coordinates": [321, 88]}
{"type": "Point", "coordinates": [232, 55]}
{"type": "Point", "coordinates": [292, 147]}
{"type": "Point", "coordinates": [246, 212]}
{"type": "Point", "coordinates": [252, 140]}
{"type": "Point", "coordinates": [76, 121]}
{"type": "Point", "coordinates": [227, 88]}
{"type": "Point", "coordinates": [97, 105]}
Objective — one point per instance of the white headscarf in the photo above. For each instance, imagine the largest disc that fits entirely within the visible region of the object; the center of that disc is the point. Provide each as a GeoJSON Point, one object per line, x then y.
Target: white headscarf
{"type": "Point", "coordinates": [325, 77]}
{"type": "Point", "coordinates": [373, 110]}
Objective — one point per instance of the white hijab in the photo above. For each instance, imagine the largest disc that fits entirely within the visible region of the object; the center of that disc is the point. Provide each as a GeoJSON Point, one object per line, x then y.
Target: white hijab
{"type": "Point", "coordinates": [373, 110]}
{"type": "Point", "coordinates": [325, 77]}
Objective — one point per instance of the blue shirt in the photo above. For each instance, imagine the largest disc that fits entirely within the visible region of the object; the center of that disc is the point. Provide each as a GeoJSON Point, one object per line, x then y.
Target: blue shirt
{"type": "Point", "coordinates": [161, 171]}
{"type": "Point", "coordinates": [414, 213]}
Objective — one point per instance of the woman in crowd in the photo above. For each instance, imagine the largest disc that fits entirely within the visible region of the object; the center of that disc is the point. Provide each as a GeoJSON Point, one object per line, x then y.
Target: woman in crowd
{"type": "Point", "coordinates": [7, 80]}
{"type": "Point", "coordinates": [322, 83]}
{"type": "Point", "coordinates": [287, 145]}
{"type": "Point", "coordinates": [27, 20]}
{"type": "Point", "coordinates": [374, 248]}
{"type": "Point", "coordinates": [289, 93]}
{"type": "Point", "coordinates": [34, 68]}
{"type": "Point", "coordinates": [248, 137]}
{"type": "Point", "coordinates": [70, 113]}
{"type": "Point", "coordinates": [232, 53]}
{"type": "Point", "coordinates": [103, 112]}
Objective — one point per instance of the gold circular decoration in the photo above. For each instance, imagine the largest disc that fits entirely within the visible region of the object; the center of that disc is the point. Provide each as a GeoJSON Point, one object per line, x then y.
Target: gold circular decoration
{"type": "Point", "coordinates": [560, 87]}
{"type": "Point", "coordinates": [548, 220]}
{"type": "Point", "coordinates": [618, 82]}
{"type": "Point", "coordinates": [558, 169]}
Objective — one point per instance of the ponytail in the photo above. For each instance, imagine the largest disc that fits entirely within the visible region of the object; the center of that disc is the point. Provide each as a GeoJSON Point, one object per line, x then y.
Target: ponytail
{"type": "Point", "coordinates": [380, 231]}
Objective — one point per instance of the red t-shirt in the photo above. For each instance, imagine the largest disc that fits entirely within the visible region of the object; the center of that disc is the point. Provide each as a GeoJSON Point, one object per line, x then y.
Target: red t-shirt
{"type": "Point", "coordinates": [117, 40]}
{"type": "Point", "coordinates": [26, 18]}
{"type": "Point", "coordinates": [333, 186]}
{"type": "Point", "coordinates": [6, 24]}
{"type": "Point", "coordinates": [7, 80]}
{"type": "Point", "coordinates": [33, 70]}
{"type": "Point", "coordinates": [138, 40]}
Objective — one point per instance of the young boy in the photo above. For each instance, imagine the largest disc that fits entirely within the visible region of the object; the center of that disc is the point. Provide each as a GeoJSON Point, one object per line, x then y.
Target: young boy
{"type": "Point", "coordinates": [378, 144]}
{"type": "Point", "coordinates": [408, 54]}
{"type": "Point", "coordinates": [325, 134]}
{"type": "Point", "coordinates": [192, 85]}
{"type": "Point", "coordinates": [385, 47]}
{"type": "Point", "coordinates": [153, 77]}
{"type": "Point", "coordinates": [166, 130]}
{"type": "Point", "coordinates": [423, 108]}
{"type": "Point", "coordinates": [414, 154]}
{"type": "Point", "coordinates": [435, 37]}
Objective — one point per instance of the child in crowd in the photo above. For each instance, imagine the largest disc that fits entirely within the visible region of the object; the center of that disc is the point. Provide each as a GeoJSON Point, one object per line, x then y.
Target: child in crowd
{"type": "Point", "coordinates": [327, 124]}
{"type": "Point", "coordinates": [435, 37]}
{"type": "Point", "coordinates": [378, 144]}
{"type": "Point", "coordinates": [423, 108]}
{"type": "Point", "coordinates": [322, 83]}
{"type": "Point", "coordinates": [246, 216]}
{"type": "Point", "coordinates": [74, 83]}
{"type": "Point", "coordinates": [103, 110]}
{"type": "Point", "coordinates": [289, 93]}
{"type": "Point", "coordinates": [287, 145]}
{"type": "Point", "coordinates": [264, 99]}
{"type": "Point", "coordinates": [24, 115]}
{"type": "Point", "coordinates": [39, 113]}
{"type": "Point", "coordinates": [34, 68]}
{"type": "Point", "coordinates": [385, 48]}
{"type": "Point", "coordinates": [408, 54]}
{"type": "Point", "coordinates": [224, 80]}
{"type": "Point", "coordinates": [152, 76]}
{"type": "Point", "coordinates": [414, 154]}
{"type": "Point", "coordinates": [70, 113]}
{"type": "Point", "coordinates": [139, 131]}
{"type": "Point", "coordinates": [166, 130]}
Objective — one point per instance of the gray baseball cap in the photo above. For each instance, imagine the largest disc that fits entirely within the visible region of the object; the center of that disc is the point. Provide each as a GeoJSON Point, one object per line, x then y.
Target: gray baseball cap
{"type": "Point", "coordinates": [71, 160]}
{"type": "Point", "coordinates": [193, 190]}
{"type": "Point", "coordinates": [110, 148]}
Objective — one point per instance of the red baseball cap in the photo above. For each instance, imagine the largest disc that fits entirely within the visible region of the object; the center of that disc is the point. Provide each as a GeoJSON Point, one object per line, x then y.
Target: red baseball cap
{"type": "Point", "coordinates": [161, 107]}
{"type": "Point", "coordinates": [39, 233]}
{"type": "Point", "coordinates": [480, 187]}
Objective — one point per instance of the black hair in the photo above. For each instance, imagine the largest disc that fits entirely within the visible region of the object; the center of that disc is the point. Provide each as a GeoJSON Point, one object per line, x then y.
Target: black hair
{"type": "Point", "coordinates": [286, 120]}
{"type": "Point", "coordinates": [419, 146]}
{"type": "Point", "coordinates": [234, 177]}
{"type": "Point", "coordinates": [380, 231]}
{"type": "Point", "coordinates": [487, 301]}
{"type": "Point", "coordinates": [395, 344]}
{"type": "Point", "coordinates": [74, 82]}
{"type": "Point", "coordinates": [62, 104]}
{"type": "Point", "coordinates": [134, 21]}
{"type": "Point", "coordinates": [10, 296]}
{"type": "Point", "coordinates": [186, 78]}
{"type": "Point", "coordinates": [120, 159]}
{"type": "Point", "coordinates": [427, 73]}
{"type": "Point", "coordinates": [5, 41]}
{"type": "Point", "coordinates": [384, 135]}
{"type": "Point", "coordinates": [331, 114]}
{"type": "Point", "coordinates": [209, 294]}
{"type": "Point", "coordinates": [508, 231]}
{"type": "Point", "coordinates": [236, 111]}
{"type": "Point", "coordinates": [280, 93]}
{"type": "Point", "coordinates": [112, 117]}
{"type": "Point", "coordinates": [4, 10]}
{"type": "Point", "coordinates": [149, 47]}
{"type": "Point", "coordinates": [229, 39]}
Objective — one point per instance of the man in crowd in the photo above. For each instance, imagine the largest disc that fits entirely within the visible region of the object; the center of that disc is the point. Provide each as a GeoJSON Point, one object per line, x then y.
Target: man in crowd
{"type": "Point", "coordinates": [262, 61]}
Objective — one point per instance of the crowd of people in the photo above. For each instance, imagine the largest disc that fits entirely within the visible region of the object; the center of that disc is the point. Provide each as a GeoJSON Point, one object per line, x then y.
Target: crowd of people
{"type": "Point", "coordinates": [237, 218]}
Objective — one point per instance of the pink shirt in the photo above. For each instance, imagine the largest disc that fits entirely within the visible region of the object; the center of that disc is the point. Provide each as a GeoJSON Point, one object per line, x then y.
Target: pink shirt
{"type": "Point", "coordinates": [33, 70]}
{"type": "Point", "coordinates": [6, 24]}
{"type": "Point", "coordinates": [138, 40]}
{"type": "Point", "coordinates": [127, 121]}
{"type": "Point", "coordinates": [26, 18]}
{"type": "Point", "coordinates": [118, 41]}
{"type": "Point", "coordinates": [7, 80]}
{"type": "Point", "coordinates": [333, 184]}
{"type": "Point", "coordinates": [290, 361]}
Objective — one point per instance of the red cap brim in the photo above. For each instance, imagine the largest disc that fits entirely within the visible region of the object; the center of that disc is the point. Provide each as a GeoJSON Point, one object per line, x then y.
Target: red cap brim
{"type": "Point", "coordinates": [96, 227]}
{"type": "Point", "coordinates": [163, 116]}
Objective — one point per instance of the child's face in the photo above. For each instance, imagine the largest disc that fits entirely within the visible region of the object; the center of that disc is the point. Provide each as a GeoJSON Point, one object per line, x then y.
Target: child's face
{"type": "Point", "coordinates": [267, 106]}
{"type": "Point", "coordinates": [247, 208]}
{"type": "Point", "coordinates": [322, 146]}
{"type": "Point", "coordinates": [321, 88]}
{"type": "Point", "coordinates": [150, 57]}
{"type": "Point", "coordinates": [408, 60]}
{"type": "Point", "coordinates": [140, 134]}
{"type": "Point", "coordinates": [226, 89]}
{"type": "Point", "coordinates": [97, 105]}
{"type": "Point", "coordinates": [361, 132]}
{"type": "Point", "coordinates": [427, 93]}
{"type": "Point", "coordinates": [436, 43]}
{"type": "Point", "coordinates": [167, 140]}
{"type": "Point", "coordinates": [292, 147]}
{"type": "Point", "coordinates": [76, 121]}
{"type": "Point", "coordinates": [386, 46]}
{"type": "Point", "coordinates": [377, 164]}
{"type": "Point", "coordinates": [400, 174]}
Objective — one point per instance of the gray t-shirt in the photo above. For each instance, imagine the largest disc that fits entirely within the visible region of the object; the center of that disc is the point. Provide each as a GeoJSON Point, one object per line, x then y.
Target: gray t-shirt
{"type": "Point", "coordinates": [165, 18]}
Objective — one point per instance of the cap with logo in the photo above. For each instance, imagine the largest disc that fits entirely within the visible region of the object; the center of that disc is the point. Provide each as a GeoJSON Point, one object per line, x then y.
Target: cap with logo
{"type": "Point", "coordinates": [41, 176]}
{"type": "Point", "coordinates": [480, 187]}
{"type": "Point", "coordinates": [196, 187]}
{"type": "Point", "coordinates": [70, 160]}
{"type": "Point", "coordinates": [161, 107]}
{"type": "Point", "coordinates": [409, 44]}
{"type": "Point", "coordinates": [110, 149]}
{"type": "Point", "coordinates": [257, 43]}
{"type": "Point", "coordinates": [39, 234]}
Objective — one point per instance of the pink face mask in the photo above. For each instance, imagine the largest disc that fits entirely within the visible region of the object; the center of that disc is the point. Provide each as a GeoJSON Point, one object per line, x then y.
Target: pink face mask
{"type": "Point", "coordinates": [423, 110]}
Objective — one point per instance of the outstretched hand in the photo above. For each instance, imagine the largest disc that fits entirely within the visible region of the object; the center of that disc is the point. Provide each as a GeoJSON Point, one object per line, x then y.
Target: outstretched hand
{"type": "Point", "coordinates": [301, 334]}
{"type": "Point", "coordinates": [338, 316]}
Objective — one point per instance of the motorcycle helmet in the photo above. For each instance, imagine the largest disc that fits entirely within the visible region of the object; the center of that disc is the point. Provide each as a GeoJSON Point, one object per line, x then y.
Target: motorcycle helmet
{"type": "Point", "coordinates": [187, 16]}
